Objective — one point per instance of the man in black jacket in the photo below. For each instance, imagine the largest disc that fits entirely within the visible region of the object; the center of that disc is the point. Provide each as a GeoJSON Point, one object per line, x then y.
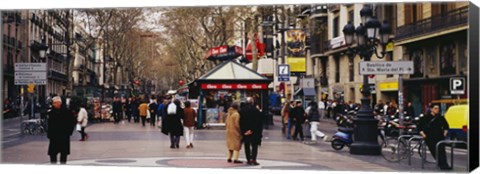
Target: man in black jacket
{"type": "Point", "coordinates": [251, 128]}
{"type": "Point", "coordinates": [434, 128]}
{"type": "Point", "coordinates": [117, 110]}
{"type": "Point", "coordinates": [61, 123]}
{"type": "Point", "coordinates": [298, 115]}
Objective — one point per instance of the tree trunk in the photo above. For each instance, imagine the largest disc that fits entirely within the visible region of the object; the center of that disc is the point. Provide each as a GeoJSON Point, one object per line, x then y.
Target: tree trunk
{"type": "Point", "coordinates": [254, 46]}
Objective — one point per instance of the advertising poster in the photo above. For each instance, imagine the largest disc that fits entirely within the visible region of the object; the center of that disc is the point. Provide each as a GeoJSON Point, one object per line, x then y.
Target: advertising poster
{"type": "Point", "coordinates": [296, 50]}
{"type": "Point", "coordinates": [212, 115]}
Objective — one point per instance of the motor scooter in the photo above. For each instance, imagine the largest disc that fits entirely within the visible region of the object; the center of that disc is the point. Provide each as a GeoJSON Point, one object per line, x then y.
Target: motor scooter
{"type": "Point", "coordinates": [344, 136]}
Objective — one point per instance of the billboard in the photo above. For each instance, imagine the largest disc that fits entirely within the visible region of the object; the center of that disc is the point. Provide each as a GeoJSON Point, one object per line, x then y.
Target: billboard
{"type": "Point", "coordinates": [296, 50]}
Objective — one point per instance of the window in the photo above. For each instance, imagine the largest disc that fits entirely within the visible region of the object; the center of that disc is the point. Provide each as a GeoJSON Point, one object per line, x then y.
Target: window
{"type": "Point", "coordinates": [351, 69]}
{"type": "Point", "coordinates": [351, 16]}
{"type": "Point", "coordinates": [413, 13]}
{"type": "Point", "coordinates": [462, 59]}
{"type": "Point", "coordinates": [417, 57]}
{"type": "Point", "coordinates": [431, 59]}
{"type": "Point", "coordinates": [448, 58]}
{"type": "Point", "coordinates": [337, 69]}
{"type": "Point", "coordinates": [336, 27]}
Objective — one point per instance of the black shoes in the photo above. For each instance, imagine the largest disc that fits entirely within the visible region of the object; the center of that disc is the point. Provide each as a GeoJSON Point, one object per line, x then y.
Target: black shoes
{"type": "Point", "coordinates": [253, 162]}
{"type": "Point", "coordinates": [229, 160]}
{"type": "Point", "coordinates": [237, 161]}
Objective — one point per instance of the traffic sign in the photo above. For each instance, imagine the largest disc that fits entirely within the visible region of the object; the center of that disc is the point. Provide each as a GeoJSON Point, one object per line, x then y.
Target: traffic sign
{"type": "Point", "coordinates": [30, 73]}
{"type": "Point", "coordinates": [27, 67]}
{"type": "Point", "coordinates": [283, 72]}
{"type": "Point", "coordinates": [457, 85]}
{"type": "Point", "coordinates": [386, 67]}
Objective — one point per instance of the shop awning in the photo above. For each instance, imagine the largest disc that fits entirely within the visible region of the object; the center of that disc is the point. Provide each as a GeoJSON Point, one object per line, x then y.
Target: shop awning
{"type": "Point", "coordinates": [306, 92]}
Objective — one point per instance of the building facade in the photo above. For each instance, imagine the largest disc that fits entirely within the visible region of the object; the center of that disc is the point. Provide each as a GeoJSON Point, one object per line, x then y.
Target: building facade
{"type": "Point", "coordinates": [434, 37]}
{"type": "Point", "coordinates": [14, 49]}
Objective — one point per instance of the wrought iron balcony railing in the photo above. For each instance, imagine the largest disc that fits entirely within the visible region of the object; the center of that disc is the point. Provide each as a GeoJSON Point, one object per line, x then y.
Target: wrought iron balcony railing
{"type": "Point", "coordinates": [451, 19]}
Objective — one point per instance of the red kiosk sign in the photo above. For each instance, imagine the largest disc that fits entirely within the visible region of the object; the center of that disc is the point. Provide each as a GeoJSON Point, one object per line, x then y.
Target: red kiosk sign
{"type": "Point", "coordinates": [233, 86]}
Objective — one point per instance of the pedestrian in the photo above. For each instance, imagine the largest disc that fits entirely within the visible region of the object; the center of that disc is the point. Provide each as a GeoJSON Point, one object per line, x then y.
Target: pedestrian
{"type": "Point", "coordinates": [314, 119]}
{"type": "Point", "coordinates": [8, 111]}
{"type": "Point", "coordinates": [321, 109]}
{"type": "Point", "coordinates": [128, 109]}
{"type": "Point", "coordinates": [434, 128]}
{"type": "Point", "coordinates": [329, 108]}
{"type": "Point", "coordinates": [285, 110]}
{"type": "Point", "coordinates": [334, 110]}
{"type": "Point", "coordinates": [173, 123]}
{"type": "Point", "coordinates": [385, 108]}
{"type": "Point", "coordinates": [251, 128]}
{"type": "Point", "coordinates": [61, 123]}
{"type": "Point", "coordinates": [153, 111]}
{"type": "Point", "coordinates": [409, 111]}
{"type": "Point", "coordinates": [117, 110]}
{"type": "Point", "coordinates": [233, 133]}
{"type": "Point", "coordinates": [82, 120]}
{"type": "Point", "coordinates": [391, 110]}
{"type": "Point", "coordinates": [162, 113]}
{"type": "Point", "coordinates": [134, 109]}
{"type": "Point", "coordinates": [142, 111]}
{"type": "Point", "coordinates": [189, 123]}
{"type": "Point", "coordinates": [298, 116]}
{"type": "Point", "coordinates": [290, 125]}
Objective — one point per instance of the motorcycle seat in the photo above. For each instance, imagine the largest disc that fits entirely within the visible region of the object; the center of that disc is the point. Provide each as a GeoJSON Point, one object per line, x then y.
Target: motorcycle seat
{"type": "Point", "coordinates": [346, 130]}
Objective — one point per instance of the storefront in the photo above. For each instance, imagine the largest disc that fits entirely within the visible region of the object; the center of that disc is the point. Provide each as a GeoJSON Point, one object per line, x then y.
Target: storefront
{"type": "Point", "coordinates": [225, 84]}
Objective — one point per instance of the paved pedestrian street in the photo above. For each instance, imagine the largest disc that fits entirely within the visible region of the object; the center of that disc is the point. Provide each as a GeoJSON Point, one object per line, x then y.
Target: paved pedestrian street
{"type": "Point", "coordinates": [130, 144]}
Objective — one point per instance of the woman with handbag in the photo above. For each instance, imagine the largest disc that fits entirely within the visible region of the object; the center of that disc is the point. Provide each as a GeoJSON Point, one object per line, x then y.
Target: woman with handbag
{"type": "Point", "coordinates": [82, 120]}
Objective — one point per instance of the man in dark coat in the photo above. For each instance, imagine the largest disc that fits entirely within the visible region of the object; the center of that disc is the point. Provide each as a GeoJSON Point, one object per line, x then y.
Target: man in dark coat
{"type": "Point", "coordinates": [117, 110]}
{"type": "Point", "coordinates": [434, 128]}
{"type": "Point", "coordinates": [152, 107]}
{"type": "Point", "coordinates": [251, 129]}
{"type": "Point", "coordinates": [61, 123]}
{"type": "Point", "coordinates": [174, 125]}
{"type": "Point", "coordinates": [298, 115]}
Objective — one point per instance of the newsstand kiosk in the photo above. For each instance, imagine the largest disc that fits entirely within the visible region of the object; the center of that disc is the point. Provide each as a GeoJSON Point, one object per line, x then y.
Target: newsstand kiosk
{"type": "Point", "coordinates": [225, 84]}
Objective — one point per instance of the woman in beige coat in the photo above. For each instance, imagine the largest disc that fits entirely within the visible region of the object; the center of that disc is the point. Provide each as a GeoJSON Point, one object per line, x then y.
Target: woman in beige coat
{"type": "Point", "coordinates": [234, 136]}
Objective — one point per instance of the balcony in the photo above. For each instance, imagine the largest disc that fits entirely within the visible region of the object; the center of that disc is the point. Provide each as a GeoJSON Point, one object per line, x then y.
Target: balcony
{"type": "Point", "coordinates": [451, 19]}
{"type": "Point", "coordinates": [57, 76]}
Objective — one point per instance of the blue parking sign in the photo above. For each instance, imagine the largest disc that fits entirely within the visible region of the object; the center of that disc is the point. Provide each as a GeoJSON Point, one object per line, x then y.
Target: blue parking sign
{"type": "Point", "coordinates": [283, 72]}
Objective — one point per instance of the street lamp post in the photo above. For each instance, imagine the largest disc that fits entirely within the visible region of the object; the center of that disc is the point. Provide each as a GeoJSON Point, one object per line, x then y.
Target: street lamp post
{"type": "Point", "coordinates": [365, 131]}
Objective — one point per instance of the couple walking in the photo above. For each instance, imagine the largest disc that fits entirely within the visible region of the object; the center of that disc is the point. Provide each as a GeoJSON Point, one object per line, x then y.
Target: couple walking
{"type": "Point", "coordinates": [243, 124]}
{"type": "Point", "coordinates": [173, 126]}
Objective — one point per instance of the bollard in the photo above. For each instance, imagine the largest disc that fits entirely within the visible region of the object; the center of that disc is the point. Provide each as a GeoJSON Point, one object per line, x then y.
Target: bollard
{"type": "Point", "coordinates": [453, 143]}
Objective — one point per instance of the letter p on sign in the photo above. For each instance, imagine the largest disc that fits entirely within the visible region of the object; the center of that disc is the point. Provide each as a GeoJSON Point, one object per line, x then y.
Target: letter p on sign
{"type": "Point", "coordinates": [457, 85]}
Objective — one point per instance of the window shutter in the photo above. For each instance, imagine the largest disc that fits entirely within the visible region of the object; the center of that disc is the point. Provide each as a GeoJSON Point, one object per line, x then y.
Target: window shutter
{"type": "Point", "coordinates": [408, 14]}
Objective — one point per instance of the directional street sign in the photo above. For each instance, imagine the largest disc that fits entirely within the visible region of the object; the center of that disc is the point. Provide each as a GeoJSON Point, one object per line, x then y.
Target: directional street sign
{"type": "Point", "coordinates": [283, 72]}
{"type": "Point", "coordinates": [30, 67]}
{"type": "Point", "coordinates": [386, 67]}
{"type": "Point", "coordinates": [30, 73]}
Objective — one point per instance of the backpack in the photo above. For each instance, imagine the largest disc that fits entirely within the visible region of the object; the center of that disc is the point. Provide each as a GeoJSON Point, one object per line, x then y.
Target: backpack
{"type": "Point", "coordinates": [172, 109]}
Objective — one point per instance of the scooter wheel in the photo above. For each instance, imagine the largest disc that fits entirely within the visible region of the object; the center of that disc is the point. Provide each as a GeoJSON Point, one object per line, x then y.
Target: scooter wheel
{"type": "Point", "coordinates": [337, 144]}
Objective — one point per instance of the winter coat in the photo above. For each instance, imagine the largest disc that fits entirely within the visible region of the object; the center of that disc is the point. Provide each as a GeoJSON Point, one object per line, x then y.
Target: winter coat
{"type": "Point", "coordinates": [153, 109]}
{"type": "Point", "coordinates": [297, 115]}
{"type": "Point", "coordinates": [143, 109]}
{"type": "Point", "coordinates": [61, 123]}
{"type": "Point", "coordinates": [433, 127]}
{"type": "Point", "coordinates": [189, 117]}
{"type": "Point", "coordinates": [285, 111]}
{"type": "Point", "coordinates": [234, 135]}
{"type": "Point", "coordinates": [313, 115]}
{"type": "Point", "coordinates": [82, 117]}
{"type": "Point", "coordinates": [251, 119]}
{"type": "Point", "coordinates": [173, 124]}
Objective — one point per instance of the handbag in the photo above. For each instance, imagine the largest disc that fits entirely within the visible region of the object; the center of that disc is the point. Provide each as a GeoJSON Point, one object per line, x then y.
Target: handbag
{"type": "Point", "coordinates": [172, 109]}
{"type": "Point", "coordinates": [79, 127]}
{"type": "Point", "coordinates": [148, 114]}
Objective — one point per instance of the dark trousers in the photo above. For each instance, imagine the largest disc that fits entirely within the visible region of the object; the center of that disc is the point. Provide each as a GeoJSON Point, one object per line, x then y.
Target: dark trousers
{"type": "Point", "coordinates": [174, 140]}
{"type": "Point", "coordinates": [82, 132]}
{"type": "Point", "coordinates": [251, 150]}
{"type": "Point", "coordinates": [298, 129]}
{"type": "Point", "coordinates": [152, 119]}
{"type": "Point", "coordinates": [116, 116]}
{"type": "Point", "coordinates": [129, 116]}
{"type": "Point", "coordinates": [63, 158]}
{"type": "Point", "coordinates": [442, 158]}
{"type": "Point", "coordinates": [144, 118]}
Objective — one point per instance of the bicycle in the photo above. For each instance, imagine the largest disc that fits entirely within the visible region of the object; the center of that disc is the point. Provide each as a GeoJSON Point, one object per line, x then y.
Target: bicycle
{"type": "Point", "coordinates": [34, 127]}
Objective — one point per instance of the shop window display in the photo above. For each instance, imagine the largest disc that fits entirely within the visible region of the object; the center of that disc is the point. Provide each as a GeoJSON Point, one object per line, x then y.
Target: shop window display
{"type": "Point", "coordinates": [447, 59]}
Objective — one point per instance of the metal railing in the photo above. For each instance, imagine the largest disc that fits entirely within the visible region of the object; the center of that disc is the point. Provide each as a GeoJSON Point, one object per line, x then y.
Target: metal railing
{"type": "Point", "coordinates": [436, 23]}
{"type": "Point", "coordinates": [453, 143]}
